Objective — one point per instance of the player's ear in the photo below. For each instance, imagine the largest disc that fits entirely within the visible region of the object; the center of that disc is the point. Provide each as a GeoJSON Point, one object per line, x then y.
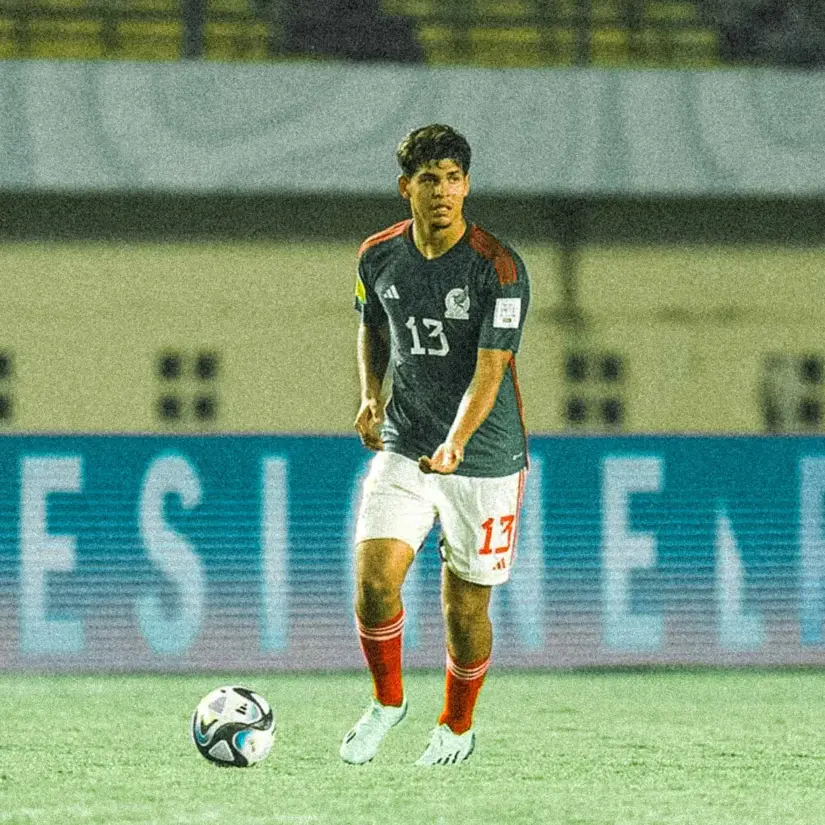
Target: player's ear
{"type": "Point", "coordinates": [403, 186]}
{"type": "Point", "coordinates": [467, 184]}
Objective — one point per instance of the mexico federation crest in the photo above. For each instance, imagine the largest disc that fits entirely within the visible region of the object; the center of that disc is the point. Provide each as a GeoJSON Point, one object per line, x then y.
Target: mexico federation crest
{"type": "Point", "coordinates": [458, 304]}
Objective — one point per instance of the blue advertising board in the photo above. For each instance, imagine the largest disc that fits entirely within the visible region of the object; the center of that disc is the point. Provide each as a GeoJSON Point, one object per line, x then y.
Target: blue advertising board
{"type": "Point", "coordinates": [148, 552]}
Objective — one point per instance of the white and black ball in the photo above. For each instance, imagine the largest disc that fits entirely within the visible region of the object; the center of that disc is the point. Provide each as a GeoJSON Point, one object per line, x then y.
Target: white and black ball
{"type": "Point", "coordinates": [233, 726]}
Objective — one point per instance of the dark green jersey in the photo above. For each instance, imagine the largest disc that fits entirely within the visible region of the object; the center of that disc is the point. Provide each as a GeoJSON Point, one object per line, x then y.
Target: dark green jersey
{"type": "Point", "coordinates": [440, 312]}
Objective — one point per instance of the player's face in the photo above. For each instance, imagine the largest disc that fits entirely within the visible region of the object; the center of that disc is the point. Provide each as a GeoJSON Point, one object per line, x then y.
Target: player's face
{"type": "Point", "coordinates": [436, 193]}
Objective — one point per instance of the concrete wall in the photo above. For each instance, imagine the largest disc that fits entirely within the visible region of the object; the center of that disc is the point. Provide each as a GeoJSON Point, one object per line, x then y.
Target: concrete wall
{"type": "Point", "coordinates": [699, 327]}
{"type": "Point", "coordinates": [84, 325]}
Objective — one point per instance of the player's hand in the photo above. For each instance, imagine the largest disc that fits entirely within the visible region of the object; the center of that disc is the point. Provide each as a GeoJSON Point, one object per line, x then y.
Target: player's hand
{"type": "Point", "coordinates": [368, 423]}
{"type": "Point", "coordinates": [444, 460]}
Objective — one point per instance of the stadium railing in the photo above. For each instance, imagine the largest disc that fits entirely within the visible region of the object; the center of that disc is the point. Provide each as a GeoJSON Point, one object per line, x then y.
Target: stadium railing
{"type": "Point", "coordinates": [487, 33]}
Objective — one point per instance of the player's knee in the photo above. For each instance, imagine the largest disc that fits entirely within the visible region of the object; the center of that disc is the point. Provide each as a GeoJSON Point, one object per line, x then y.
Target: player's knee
{"type": "Point", "coordinates": [380, 573]}
{"type": "Point", "coordinates": [376, 589]}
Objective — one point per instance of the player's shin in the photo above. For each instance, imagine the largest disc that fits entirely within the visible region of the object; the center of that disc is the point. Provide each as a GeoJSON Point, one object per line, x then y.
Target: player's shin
{"type": "Point", "coordinates": [463, 684]}
{"type": "Point", "coordinates": [381, 645]}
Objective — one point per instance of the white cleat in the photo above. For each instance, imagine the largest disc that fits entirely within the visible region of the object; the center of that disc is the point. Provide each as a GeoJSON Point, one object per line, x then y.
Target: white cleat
{"type": "Point", "coordinates": [448, 748]}
{"type": "Point", "coordinates": [361, 743]}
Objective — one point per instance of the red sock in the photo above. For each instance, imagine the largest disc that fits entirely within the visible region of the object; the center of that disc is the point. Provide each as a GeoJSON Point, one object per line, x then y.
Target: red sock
{"type": "Point", "coordinates": [381, 645]}
{"type": "Point", "coordinates": [463, 685]}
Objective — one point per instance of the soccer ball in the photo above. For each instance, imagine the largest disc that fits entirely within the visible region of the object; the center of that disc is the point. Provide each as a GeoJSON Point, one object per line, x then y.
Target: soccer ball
{"type": "Point", "coordinates": [233, 726]}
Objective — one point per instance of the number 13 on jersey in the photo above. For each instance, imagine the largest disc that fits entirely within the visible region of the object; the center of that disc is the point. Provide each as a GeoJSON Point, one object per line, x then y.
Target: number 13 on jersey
{"type": "Point", "coordinates": [435, 329]}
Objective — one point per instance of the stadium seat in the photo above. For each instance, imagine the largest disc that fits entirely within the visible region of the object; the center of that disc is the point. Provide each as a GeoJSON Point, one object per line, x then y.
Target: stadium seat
{"type": "Point", "coordinates": [7, 39]}
{"type": "Point", "coordinates": [696, 48]}
{"type": "Point", "coordinates": [412, 8]}
{"type": "Point", "coordinates": [508, 9]}
{"type": "Point", "coordinates": [668, 11]}
{"type": "Point", "coordinates": [166, 7]}
{"type": "Point", "coordinates": [683, 47]}
{"type": "Point", "coordinates": [506, 47]}
{"type": "Point", "coordinates": [437, 43]}
{"type": "Point", "coordinates": [141, 40]}
{"type": "Point", "coordinates": [64, 39]}
{"type": "Point", "coordinates": [558, 46]}
{"type": "Point", "coordinates": [236, 41]}
{"type": "Point", "coordinates": [234, 32]}
{"type": "Point", "coordinates": [610, 47]}
{"type": "Point", "coordinates": [80, 7]}
{"type": "Point", "coordinates": [603, 12]}
{"type": "Point", "coordinates": [239, 8]}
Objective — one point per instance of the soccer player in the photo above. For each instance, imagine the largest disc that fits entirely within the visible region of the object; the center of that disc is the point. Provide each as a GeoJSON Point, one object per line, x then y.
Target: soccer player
{"type": "Point", "coordinates": [442, 306]}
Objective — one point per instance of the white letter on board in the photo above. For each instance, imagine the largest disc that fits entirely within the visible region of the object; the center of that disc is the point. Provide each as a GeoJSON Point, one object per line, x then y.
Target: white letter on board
{"type": "Point", "coordinates": [811, 550]}
{"type": "Point", "coordinates": [42, 552]}
{"type": "Point", "coordinates": [737, 630]}
{"type": "Point", "coordinates": [173, 554]}
{"type": "Point", "coordinates": [274, 549]}
{"type": "Point", "coordinates": [624, 551]}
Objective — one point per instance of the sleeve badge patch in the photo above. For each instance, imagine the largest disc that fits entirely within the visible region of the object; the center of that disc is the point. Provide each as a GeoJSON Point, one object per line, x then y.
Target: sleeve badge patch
{"type": "Point", "coordinates": [360, 292]}
{"type": "Point", "coordinates": [507, 313]}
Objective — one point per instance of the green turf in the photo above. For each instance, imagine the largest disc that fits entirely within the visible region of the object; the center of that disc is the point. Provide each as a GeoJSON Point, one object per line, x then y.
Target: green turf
{"type": "Point", "coordinates": [646, 748]}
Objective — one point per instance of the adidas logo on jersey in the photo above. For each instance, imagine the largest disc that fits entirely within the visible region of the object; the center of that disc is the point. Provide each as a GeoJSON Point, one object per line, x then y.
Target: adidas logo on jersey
{"type": "Point", "coordinates": [391, 292]}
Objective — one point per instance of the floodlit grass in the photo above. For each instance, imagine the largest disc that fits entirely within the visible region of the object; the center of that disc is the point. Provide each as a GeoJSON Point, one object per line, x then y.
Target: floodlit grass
{"type": "Point", "coordinates": [620, 748]}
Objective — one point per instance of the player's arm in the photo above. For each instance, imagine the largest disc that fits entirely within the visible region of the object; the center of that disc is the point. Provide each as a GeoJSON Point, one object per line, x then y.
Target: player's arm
{"type": "Point", "coordinates": [477, 402]}
{"type": "Point", "coordinates": [508, 291]}
{"type": "Point", "coordinates": [373, 353]}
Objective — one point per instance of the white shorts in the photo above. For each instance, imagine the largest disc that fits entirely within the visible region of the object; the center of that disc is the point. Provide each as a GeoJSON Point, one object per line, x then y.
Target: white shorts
{"type": "Point", "coordinates": [478, 516]}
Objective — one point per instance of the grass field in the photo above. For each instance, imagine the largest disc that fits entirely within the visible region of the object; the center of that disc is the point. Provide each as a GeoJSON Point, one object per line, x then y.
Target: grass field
{"type": "Point", "coordinates": [659, 747]}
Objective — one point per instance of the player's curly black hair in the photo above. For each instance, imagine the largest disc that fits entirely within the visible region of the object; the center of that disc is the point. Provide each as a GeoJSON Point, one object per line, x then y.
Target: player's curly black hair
{"type": "Point", "coordinates": [433, 142]}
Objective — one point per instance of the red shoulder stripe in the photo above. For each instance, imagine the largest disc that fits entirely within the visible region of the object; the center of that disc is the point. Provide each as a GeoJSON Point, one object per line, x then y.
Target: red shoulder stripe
{"type": "Point", "coordinates": [489, 247]}
{"type": "Point", "coordinates": [384, 235]}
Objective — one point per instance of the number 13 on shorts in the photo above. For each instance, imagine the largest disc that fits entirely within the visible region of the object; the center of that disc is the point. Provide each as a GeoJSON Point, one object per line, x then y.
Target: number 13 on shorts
{"type": "Point", "coordinates": [481, 526]}
{"type": "Point", "coordinates": [498, 534]}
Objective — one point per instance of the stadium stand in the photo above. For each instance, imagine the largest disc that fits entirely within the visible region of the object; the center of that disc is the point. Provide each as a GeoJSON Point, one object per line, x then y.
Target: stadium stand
{"type": "Point", "coordinates": [769, 32]}
{"type": "Point", "coordinates": [235, 30]}
{"type": "Point", "coordinates": [522, 33]}
{"type": "Point", "coordinates": [485, 33]}
{"type": "Point", "coordinates": [130, 30]}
